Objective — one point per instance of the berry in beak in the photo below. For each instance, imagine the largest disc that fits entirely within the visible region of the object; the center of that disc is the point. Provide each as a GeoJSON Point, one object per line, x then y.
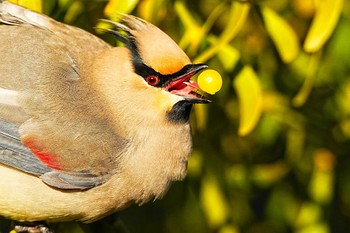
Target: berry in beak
{"type": "Point", "coordinates": [181, 85]}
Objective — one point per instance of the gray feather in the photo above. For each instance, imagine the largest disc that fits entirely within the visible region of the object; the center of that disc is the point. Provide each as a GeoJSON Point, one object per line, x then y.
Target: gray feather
{"type": "Point", "coordinates": [72, 180]}
{"type": "Point", "coordinates": [14, 154]}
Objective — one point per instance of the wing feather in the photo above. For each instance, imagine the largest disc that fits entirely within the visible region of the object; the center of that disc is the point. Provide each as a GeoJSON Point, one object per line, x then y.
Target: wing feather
{"type": "Point", "coordinates": [14, 154]}
{"type": "Point", "coordinates": [44, 100]}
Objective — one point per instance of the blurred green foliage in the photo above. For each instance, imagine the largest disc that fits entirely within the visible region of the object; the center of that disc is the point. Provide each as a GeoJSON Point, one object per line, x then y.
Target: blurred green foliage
{"type": "Point", "coordinates": [272, 152]}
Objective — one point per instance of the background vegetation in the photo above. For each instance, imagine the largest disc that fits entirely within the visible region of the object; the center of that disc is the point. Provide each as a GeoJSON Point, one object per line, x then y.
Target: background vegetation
{"type": "Point", "coordinates": [272, 152]}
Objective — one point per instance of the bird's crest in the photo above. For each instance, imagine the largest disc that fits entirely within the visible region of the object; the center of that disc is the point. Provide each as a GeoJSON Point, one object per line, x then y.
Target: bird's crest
{"type": "Point", "coordinates": [149, 44]}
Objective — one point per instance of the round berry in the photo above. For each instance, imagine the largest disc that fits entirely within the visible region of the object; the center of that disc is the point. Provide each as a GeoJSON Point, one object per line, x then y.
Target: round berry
{"type": "Point", "coordinates": [210, 81]}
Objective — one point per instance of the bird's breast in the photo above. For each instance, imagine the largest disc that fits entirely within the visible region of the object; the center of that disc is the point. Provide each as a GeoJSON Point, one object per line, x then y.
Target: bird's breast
{"type": "Point", "coordinates": [157, 157]}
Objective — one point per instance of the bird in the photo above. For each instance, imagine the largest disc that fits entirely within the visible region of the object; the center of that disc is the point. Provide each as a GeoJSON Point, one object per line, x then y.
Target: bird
{"type": "Point", "coordinates": [87, 128]}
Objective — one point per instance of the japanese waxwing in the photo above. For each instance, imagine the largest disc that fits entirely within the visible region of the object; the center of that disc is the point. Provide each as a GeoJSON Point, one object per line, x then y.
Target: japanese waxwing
{"type": "Point", "coordinates": [87, 128]}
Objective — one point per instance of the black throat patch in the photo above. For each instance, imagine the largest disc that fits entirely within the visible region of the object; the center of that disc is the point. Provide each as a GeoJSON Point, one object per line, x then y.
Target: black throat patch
{"type": "Point", "coordinates": [180, 112]}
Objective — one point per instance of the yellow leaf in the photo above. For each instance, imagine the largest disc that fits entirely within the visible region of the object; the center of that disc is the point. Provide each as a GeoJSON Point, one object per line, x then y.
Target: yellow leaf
{"type": "Point", "coordinates": [238, 16]}
{"type": "Point", "coordinates": [152, 10]}
{"type": "Point", "coordinates": [194, 32]}
{"type": "Point", "coordinates": [282, 34]}
{"type": "Point", "coordinates": [185, 16]}
{"type": "Point", "coordinates": [249, 93]}
{"type": "Point", "coordinates": [228, 55]}
{"type": "Point", "coordinates": [118, 6]}
{"type": "Point", "coordinates": [35, 5]}
{"type": "Point", "coordinates": [145, 9]}
{"type": "Point", "coordinates": [213, 202]}
{"type": "Point", "coordinates": [323, 24]}
{"type": "Point", "coordinates": [321, 186]}
{"type": "Point", "coordinates": [309, 214]}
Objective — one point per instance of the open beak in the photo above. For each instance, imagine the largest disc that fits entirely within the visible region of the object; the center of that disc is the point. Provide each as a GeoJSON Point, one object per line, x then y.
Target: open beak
{"type": "Point", "coordinates": [181, 85]}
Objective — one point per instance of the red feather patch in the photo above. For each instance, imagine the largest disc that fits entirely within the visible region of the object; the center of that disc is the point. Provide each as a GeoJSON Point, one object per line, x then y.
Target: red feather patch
{"type": "Point", "coordinates": [47, 158]}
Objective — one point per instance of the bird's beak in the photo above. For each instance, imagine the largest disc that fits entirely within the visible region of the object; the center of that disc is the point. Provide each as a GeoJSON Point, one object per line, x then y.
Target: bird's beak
{"type": "Point", "coordinates": [181, 85]}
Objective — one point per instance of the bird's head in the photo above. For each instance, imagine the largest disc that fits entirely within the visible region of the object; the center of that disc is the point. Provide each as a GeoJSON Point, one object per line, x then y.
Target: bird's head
{"type": "Point", "coordinates": [162, 69]}
{"type": "Point", "coordinates": [145, 93]}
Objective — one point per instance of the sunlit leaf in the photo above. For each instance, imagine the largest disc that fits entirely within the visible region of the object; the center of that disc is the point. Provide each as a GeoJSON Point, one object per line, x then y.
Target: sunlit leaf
{"type": "Point", "coordinates": [321, 186]}
{"type": "Point", "coordinates": [194, 32]}
{"type": "Point", "coordinates": [322, 179]}
{"type": "Point", "coordinates": [323, 24]}
{"type": "Point", "coordinates": [238, 16]}
{"type": "Point", "coordinates": [185, 16]}
{"type": "Point", "coordinates": [282, 34]}
{"type": "Point", "coordinates": [151, 10]}
{"type": "Point", "coordinates": [35, 5]}
{"type": "Point", "coordinates": [228, 55]}
{"type": "Point", "coordinates": [213, 201]}
{"type": "Point", "coordinates": [249, 93]}
{"type": "Point", "coordinates": [309, 214]}
{"type": "Point", "coordinates": [119, 6]}
{"type": "Point", "coordinates": [145, 9]}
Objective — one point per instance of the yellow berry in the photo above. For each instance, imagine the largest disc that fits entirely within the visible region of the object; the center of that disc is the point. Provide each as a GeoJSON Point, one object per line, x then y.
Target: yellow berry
{"type": "Point", "coordinates": [210, 81]}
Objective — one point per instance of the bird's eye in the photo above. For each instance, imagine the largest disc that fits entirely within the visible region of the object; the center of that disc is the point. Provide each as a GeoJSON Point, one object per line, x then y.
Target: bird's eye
{"type": "Point", "coordinates": [152, 80]}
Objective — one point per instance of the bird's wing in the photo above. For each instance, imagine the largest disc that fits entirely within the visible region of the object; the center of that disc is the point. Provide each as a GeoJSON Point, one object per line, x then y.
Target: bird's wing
{"type": "Point", "coordinates": [51, 125]}
{"type": "Point", "coordinates": [14, 154]}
